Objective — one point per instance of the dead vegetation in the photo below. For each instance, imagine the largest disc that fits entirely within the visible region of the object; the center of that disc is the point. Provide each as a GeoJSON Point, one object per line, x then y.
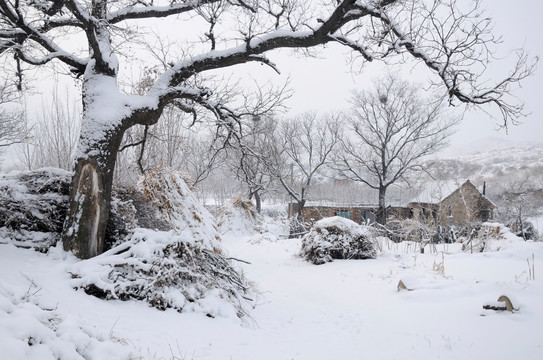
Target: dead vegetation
{"type": "Point", "coordinates": [162, 245]}
{"type": "Point", "coordinates": [182, 268]}
{"type": "Point", "coordinates": [337, 238]}
{"type": "Point", "coordinates": [33, 205]}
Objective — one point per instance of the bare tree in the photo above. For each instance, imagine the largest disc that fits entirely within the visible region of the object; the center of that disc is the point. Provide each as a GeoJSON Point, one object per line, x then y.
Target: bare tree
{"type": "Point", "coordinates": [12, 125]}
{"type": "Point", "coordinates": [250, 162]}
{"type": "Point", "coordinates": [519, 200]}
{"type": "Point", "coordinates": [393, 128]}
{"type": "Point", "coordinates": [454, 44]}
{"type": "Point", "coordinates": [302, 148]}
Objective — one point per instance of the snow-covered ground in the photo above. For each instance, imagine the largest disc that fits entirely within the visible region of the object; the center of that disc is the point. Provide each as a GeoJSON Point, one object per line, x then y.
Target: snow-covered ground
{"type": "Point", "coordinates": [347, 309]}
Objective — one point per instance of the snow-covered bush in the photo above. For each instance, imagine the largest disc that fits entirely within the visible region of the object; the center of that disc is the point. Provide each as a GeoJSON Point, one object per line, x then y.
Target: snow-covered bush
{"type": "Point", "coordinates": [524, 229]}
{"type": "Point", "coordinates": [488, 236]}
{"type": "Point", "coordinates": [33, 205]}
{"type": "Point", "coordinates": [297, 227]}
{"type": "Point", "coordinates": [337, 238]}
{"type": "Point", "coordinates": [182, 268]}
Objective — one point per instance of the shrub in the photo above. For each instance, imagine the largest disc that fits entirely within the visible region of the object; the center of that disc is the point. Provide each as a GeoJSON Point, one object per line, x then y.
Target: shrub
{"type": "Point", "coordinates": [337, 238]}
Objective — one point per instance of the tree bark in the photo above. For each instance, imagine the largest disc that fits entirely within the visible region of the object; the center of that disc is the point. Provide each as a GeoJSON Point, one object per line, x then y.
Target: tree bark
{"type": "Point", "coordinates": [90, 196]}
{"type": "Point", "coordinates": [258, 202]}
{"type": "Point", "coordinates": [382, 210]}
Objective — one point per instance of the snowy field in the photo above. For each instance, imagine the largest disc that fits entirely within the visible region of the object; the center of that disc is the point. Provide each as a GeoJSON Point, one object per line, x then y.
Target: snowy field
{"type": "Point", "coordinates": [348, 309]}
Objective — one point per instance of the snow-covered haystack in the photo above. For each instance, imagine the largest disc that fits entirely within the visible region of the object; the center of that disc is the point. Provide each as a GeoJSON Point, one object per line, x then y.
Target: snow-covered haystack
{"type": "Point", "coordinates": [33, 205]}
{"type": "Point", "coordinates": [489, 237]}
{"type": "Point", "coordinates": [177, 205]}
{"type": "Point", "coordinates": [337, 238]}
{"type": "Point", "coordinates": [238, 218]}
{"type": "Point", "coordinates": [182, 268]}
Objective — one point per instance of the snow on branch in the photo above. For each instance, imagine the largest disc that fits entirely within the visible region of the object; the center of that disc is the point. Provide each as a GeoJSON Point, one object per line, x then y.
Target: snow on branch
{"type": "Point", "coordinates": [146, 11]}
{"type": "Point", "coordinates": [363, 50]}
{"type": "Point", "coordinates": [27, 28]}
{"type": "Point", "coordinates": [457, 48]}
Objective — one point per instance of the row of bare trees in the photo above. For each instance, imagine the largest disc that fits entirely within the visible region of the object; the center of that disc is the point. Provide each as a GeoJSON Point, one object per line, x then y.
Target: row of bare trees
{"type": "Point", "coordinates": [383, 138]}
{"type": "Point", "coordinates": [378, 143]}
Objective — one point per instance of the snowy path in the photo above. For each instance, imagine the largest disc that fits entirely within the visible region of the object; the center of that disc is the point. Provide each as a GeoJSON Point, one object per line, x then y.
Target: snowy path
{"type": "Point", "coordinates": [341, 310]}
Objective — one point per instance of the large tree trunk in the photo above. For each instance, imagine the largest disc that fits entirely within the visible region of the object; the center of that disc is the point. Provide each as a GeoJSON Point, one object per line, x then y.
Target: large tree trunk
{"type": "Point", "coordinates": [297, 224]}
{"type": "Point", "coordinates": [105, 119]}
{"type": "Point", "coordinates": [258, 202]}
{"type": "Point", "coordinates": [382, 210]}
{"type": "Point", "coordinates": [90, 196]}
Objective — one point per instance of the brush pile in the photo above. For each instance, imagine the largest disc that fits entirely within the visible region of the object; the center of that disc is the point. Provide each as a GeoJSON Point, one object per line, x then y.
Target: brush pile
{"type": "Point", "coordinates": [33, 205]}
{"type": "Point", "coordinates": [182, 268]}
{"type": "Point", "coordinates": [337, 238]}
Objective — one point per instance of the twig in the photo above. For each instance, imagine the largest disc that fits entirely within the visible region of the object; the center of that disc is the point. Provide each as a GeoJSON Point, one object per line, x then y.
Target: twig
{"type": "Point", "coordinates": [243, 261]}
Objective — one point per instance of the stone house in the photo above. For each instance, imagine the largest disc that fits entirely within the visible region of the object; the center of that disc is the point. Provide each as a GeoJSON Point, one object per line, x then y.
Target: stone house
{"type": "Point", "coordinates": [440, 203]}
{"type": "Point", "coordinates": [449, 204]}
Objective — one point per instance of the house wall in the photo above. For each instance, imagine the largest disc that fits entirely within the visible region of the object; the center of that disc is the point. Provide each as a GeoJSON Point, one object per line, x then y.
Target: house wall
{"type": "Point", "coordinates": [357, 214]}
{"type": "Point", "coordinates": [465, 205]}
{"type": "Point", "coordinates": [423, 212]}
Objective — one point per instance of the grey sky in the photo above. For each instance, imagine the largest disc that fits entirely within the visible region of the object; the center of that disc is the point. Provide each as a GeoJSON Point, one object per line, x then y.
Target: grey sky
{"type": "Point", "coordinates": [324, 84]}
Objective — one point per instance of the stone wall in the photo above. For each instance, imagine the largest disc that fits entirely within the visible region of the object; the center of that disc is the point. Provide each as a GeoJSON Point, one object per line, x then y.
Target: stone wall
{"type": "Point", "coordinates": [465, 205]}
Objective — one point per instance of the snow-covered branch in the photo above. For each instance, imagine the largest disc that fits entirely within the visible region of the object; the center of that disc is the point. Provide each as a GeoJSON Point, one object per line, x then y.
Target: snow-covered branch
{"type": "Point", "coordinates": [141, 10]}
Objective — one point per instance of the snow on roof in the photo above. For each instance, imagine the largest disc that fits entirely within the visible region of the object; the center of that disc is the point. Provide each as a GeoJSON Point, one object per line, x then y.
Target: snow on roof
{"type": "Point", "coordinates": [434, 192]}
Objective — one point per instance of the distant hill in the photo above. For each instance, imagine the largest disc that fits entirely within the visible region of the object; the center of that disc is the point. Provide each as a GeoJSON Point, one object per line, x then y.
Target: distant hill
{"type": "Point", "coordinates": [496, 167]}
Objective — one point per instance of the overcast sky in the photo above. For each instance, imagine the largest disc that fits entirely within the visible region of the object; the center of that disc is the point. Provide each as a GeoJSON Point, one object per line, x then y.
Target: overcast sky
{"type": "Point", "coordinates": [325, 84]}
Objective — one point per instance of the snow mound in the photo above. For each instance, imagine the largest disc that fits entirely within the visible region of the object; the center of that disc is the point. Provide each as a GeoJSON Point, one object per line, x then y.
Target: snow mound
{"type": "Point", "coordinates": [183, 268]}
{"type": "Point", "coordinates": [238, 218]}
{"type": "Point", "coordinates": [490, 236]}
{"type": "Point", "coordinates": [30, 331]}
{"type": "Point", "coordinates": [337, 238]}
{"type": "Point", "coordinates": [33, 205]}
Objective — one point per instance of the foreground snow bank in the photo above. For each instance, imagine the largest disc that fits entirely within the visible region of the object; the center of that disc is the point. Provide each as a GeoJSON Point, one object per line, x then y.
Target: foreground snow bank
{"type": "Point", "coordinates": [31, 328]}
{"type": "Point", "coordinates": [304, 312]}
{"type": "Point", "coordinates": [337, 238]}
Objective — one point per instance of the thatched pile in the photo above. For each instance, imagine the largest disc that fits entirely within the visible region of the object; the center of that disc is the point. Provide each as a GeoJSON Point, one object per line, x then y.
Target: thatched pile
{"type": "Point", "coordinates": [182, 268]}
{"type": "Point", "coordinates": [239, 218]}
{"type": "Point", "coordinates": [33, 205]}
{"type": "Point", "coordinates": [337, 238]}
{"type": "Point", "coordinates": [162, 245]}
